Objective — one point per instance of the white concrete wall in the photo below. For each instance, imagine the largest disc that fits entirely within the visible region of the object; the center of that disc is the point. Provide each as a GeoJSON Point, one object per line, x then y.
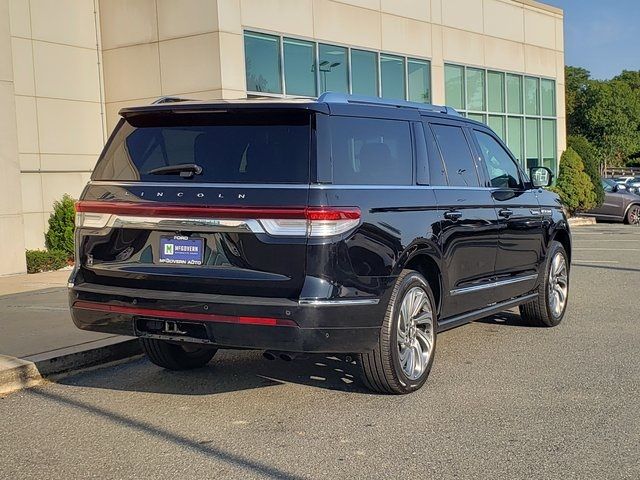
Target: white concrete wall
{"type": "Point", "coordinates": [12, 259]}
{"type": "Point", "coordinates": [63, 80]}
{"type": "Point", "coordinates": [153, 48]}
{"type": "Point", "coordinates": [58, 100]}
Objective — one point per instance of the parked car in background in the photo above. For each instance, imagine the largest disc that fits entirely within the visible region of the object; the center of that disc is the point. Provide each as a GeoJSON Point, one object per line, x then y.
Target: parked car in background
{"type": "Point", "coordinates": [620, 205]}
{"type": "Point", "coordinates": [633, 185]}
{"type": "Point", "coordinates": [622, 180]}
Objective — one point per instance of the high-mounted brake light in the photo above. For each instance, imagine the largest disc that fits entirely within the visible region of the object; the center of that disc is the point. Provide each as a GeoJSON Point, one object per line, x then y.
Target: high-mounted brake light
{"type": "Point", "coordinates": [278, 221]}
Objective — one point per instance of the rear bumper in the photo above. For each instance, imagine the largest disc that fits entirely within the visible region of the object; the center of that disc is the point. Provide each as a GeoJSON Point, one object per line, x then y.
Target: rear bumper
{"type": "Point", "coordinates": [342, 326]}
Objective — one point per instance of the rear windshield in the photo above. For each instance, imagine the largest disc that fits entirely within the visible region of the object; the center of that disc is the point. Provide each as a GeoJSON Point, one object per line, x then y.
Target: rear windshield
{"type": "Point", "coordinates": [225, 147]}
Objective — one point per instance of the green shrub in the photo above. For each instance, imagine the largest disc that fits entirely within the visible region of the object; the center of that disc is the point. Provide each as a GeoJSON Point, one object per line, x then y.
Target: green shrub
{"type": "Point", "coordinates": [61, 224]}
{"type": "Point", "coordinates": [574, 185]}
{"type": "Point", "coordinates": [591, 160]}
{"type": "Point", "coordinates": [46, 260]}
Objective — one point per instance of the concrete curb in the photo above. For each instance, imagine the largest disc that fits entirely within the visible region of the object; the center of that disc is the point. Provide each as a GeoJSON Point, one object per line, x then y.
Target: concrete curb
{"type": "Point", "coordinates": [581, 221]}
{"type": "Point", "coordinates": [19, 373]}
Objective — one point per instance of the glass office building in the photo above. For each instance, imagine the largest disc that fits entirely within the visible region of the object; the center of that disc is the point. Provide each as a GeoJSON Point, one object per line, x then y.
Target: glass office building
{"type": "Point", "coordinates": [66, 71]}
{"type": "Point", "coordinates": [515, 93]}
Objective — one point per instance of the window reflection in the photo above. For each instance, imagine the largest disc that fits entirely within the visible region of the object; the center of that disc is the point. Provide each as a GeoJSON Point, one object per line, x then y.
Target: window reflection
{"type": "Point", "coordinates": [332, 67]}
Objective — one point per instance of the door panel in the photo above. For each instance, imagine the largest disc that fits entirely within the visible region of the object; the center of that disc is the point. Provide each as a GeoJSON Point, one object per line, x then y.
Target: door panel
{"type": "Point", "coordinates": [521, 238]}
{"type": "Point", "coordinates": [521, 241]}
{"type": "Point", "coordinates": [612, 204]}
{"type": "Point", "coordinates": [469, 236]}
{"type": "Point", "coordinates": [469, 240]}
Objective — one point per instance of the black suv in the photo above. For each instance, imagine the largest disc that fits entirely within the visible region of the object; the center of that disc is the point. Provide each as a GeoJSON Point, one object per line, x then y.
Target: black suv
{"type": "Point", "coordinates": [343, 225]}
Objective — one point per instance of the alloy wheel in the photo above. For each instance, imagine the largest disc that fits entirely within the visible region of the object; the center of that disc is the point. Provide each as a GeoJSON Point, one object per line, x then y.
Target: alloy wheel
{"type": "Point", "coordinates": [558, 284]}
{"type": "Point", "coordinates": [415, 332]}
{"type": "Point", "coordinates": [634, 215]}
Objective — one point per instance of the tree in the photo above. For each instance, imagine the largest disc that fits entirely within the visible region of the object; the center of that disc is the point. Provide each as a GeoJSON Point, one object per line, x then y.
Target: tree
{"type": "Point", "coordinates": [591, 160]}
{"type": "Point", "coordinates": [576, 83]}
{"type": "Point", "coordinates": [612, 119]}
{"type": "Point", "coordinates": [630, 77]}
{"type": "Point", "coordinates": [574, 185]}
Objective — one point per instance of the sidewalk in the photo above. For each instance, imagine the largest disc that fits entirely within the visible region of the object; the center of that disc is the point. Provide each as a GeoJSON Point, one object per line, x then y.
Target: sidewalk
{"type": "Point", "coordinates": [37, 335]}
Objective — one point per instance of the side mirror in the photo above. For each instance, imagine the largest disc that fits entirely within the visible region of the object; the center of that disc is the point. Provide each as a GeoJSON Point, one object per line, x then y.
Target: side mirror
{"type": "Point", "coordinates": [540, 176]}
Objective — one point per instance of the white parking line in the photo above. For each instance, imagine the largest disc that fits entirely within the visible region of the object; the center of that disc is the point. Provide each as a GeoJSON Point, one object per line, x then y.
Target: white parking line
{"type": "Point", "coordinates": [594, 261]}
{"type": "Point", "coordinates": [609, 249]}
{"type": "Point", "coordinates": [600, 240]}
{"type": "Point", "coordinates": [575, 234]}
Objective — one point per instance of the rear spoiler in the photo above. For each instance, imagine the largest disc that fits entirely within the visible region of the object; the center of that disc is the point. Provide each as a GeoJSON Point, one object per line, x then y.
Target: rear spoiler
{"type": "Point", "coordinates": [169, 105]}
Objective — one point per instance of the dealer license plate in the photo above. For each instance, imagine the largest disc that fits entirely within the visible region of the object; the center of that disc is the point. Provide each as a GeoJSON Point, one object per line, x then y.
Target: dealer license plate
{"type": "Point", "coordinates": [181, 250]}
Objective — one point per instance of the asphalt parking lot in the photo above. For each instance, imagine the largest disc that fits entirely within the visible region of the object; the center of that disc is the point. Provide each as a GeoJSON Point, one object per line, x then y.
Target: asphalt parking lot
{"type": "Point", "coordinates": [503, 401]}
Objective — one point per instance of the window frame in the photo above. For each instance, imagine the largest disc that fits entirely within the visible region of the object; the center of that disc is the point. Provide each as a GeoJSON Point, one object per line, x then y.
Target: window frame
{"type": "Point", "coordinates": [480, 175]}
{"type": "Point", "coordinates": [507, 114]}
{"type": "Point", "coordinates": [326, 137]}
{"type": "Point", "coordinates": [378, 53]}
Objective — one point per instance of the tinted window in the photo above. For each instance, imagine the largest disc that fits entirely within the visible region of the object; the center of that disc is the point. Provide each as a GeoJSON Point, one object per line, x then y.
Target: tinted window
{"type": "Point", "coordinates": [608, 184]}
{"type": "Point", "coordinates": [437, 172]}
{"type": "Point", "coordinates": [262, 60]}
{"type": "Point", "coordinates": [419, 76]}
{"type": "Point", "coordinates": [458, 160]}
{"type": "Point", "coordinates": [503, 172]}
{"type": "Point", "coordinates": [368, 151]}
{"type": "Point", "coordinates": [332, 66]}
{"type": "Point", "coordinates": [392, 74]}
{"type": "Point", "coordinates": [299, 67]}
{"type": "Point", "coordinates": [454, 86]}
{"type": "Point", "coordinates": [364, 72]}
{"type": "Point", "coordinates": [230, 147]}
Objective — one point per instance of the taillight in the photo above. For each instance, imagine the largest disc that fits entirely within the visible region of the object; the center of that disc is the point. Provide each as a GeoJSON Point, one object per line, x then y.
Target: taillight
{"type": "Point", "coordinates": [317, 222]}
{"type": "Point", "coordinates": [280, 221]}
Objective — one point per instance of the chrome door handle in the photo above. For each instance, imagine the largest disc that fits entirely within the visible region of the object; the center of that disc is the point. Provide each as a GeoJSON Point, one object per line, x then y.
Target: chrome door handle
{"type": "Point", "coordinates": [453, 215]}
{"type": "Point", "coordinates": [505, 212]}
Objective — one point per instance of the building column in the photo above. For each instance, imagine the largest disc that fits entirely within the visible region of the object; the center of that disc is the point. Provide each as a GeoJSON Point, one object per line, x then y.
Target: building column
{"type": "Point", "coordinates": [12, 249]}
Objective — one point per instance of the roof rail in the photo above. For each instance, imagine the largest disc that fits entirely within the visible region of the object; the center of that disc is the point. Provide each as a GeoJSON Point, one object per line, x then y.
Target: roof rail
{"type": "Point", "coordinates": [331, 97]}
{"type": "Point", "coordinates": [169, 99]}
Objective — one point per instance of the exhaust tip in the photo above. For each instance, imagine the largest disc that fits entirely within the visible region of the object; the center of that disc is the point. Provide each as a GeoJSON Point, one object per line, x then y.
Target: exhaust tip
{"type": "Point", "coordinates": [287, 357]}
{"type": "Point", "coordinates": [269, 355]}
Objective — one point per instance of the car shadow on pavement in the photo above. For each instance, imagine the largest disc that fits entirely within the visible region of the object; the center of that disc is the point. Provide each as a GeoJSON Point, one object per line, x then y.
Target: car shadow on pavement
{"type": "Point", "coordinates": [237, 370]}
{"type": "Point", "coordinates": [510, 318]}
{"type": "Point", "coordinates": [163, 434]}
{"type": "Point", "coordinates": [605, 267]}
{"type": "Point", "coordinates": [229, 371]}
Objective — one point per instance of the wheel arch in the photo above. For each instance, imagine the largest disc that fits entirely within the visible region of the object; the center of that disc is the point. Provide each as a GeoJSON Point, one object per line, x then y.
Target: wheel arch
{"type": "Point", "coordinates": [424, 260]}
{"type": "Point", "coordinates": [626, 210]}
{"type": "Point", "coordinates": [564, 237]}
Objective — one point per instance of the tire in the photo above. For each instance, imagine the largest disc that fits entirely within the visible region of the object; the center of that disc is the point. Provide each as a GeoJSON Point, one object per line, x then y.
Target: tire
{"type": "Point", "coordinates": [633, 215]}
{"type": "Point", "coordinates": [385, 368]}
{"type": "Point", "coordinates": [175, 356]}
{"type": "Point", "coordinates": [544, 311]}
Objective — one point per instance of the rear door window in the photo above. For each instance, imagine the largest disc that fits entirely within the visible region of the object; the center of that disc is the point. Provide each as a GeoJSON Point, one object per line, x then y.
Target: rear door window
{"type": "Point", "coordinates": [371, 151]}
{"type": "Point", "coordinates": [456, 152]}
{"type": "Point", "coordinates": [238, 147]}
{"type": "Point", "coordinates": [437, 172]}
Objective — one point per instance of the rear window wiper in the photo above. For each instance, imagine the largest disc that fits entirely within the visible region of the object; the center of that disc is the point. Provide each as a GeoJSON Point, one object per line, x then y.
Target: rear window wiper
{"type": "Point", "coordinates": [185, 170]}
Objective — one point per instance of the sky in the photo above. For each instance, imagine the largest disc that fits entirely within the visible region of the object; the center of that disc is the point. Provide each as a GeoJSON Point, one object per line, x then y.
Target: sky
{"type": "Point", "coordinates": [602, 36]}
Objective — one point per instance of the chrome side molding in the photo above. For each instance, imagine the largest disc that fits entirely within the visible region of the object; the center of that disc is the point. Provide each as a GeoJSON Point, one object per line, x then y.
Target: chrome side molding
{"type": "Point", "coordinates": [339, 302]}
{"type": "Point", "coordinates": [485, 286]}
